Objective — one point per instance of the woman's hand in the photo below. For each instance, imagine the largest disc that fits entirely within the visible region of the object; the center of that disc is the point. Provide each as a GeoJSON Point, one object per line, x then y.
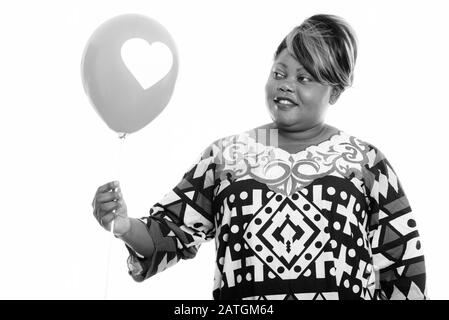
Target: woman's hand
{"type": "Point", "coordinates": [108, 205]}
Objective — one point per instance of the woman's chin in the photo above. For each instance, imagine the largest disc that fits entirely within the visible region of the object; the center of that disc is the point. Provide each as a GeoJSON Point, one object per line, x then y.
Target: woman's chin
{"type": "Point", "coordinates": [283, 118]}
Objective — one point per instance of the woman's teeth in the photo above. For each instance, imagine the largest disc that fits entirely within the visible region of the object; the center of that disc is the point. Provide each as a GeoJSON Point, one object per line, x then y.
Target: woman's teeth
{"type": "Point", "coordinates": [286, 102]}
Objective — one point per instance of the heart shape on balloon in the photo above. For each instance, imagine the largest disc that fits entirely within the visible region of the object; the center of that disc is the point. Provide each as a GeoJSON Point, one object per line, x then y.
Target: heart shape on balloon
{"type": "Point", "coordinates": [147, 63]}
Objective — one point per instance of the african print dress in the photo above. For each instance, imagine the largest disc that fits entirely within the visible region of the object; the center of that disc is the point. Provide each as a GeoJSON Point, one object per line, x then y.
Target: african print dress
{"type": "Point", "coordinates": [328, 222]}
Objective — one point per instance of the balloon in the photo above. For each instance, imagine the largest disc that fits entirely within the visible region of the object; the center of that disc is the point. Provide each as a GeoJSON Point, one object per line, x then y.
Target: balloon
{"type": "Point", "coordinates": [120, 98]}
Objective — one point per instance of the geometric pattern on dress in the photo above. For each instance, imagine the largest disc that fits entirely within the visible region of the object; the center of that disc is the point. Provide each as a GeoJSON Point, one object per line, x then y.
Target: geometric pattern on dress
{"type": "Point", "coordinates": [394, 237]}
{"type": "Point", "coordinates": [287, 234]}
{"type": "Point", "coordinates": [346, 265]}
{"type": "Point", "coordinates": [343, 204]}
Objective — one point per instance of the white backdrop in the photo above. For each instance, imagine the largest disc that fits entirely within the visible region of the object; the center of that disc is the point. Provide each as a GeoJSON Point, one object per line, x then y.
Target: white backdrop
{"type": "Point", "coordinates": [56, 151]}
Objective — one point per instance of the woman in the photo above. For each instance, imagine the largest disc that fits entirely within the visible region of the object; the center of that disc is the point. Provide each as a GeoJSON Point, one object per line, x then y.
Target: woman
{"type": "Point", "coordinates": [298, 209]}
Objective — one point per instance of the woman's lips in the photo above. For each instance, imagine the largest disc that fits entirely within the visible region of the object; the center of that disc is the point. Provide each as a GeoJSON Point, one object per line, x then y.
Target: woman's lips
{"type": "Point", "coordinates": [284, 103]}
{"type": "Point", "coordinates": [285, 107]}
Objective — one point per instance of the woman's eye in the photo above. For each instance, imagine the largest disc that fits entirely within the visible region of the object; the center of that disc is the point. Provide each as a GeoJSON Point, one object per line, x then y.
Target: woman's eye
{"type": "Point", "coordinates": [277, 75]}
{"type": "Point", "coordinates": [304, 79]}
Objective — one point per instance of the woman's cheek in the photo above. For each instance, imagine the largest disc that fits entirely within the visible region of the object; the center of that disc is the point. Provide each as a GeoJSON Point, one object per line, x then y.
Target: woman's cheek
{"type": "Point", "coordinates": [307, 97]}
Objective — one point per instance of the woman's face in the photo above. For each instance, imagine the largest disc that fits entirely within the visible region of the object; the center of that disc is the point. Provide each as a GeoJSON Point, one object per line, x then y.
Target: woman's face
{"type": "Point", "coordinates": [295, 100]}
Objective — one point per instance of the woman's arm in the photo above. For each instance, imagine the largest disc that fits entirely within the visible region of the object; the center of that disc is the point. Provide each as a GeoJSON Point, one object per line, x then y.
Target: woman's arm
{"type": "Point", "coordinates": [395, 242]}
{"type": "Point", "coordinates": [176, 225]}
{"type": "Point", "coordinates": [138, 238]}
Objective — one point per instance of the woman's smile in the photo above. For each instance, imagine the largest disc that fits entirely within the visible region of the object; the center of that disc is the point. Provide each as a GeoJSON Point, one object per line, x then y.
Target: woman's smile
{"type": "Point", "coordinates": [285, 103]}
{"type": "Point", "coordinates": [287, 106]}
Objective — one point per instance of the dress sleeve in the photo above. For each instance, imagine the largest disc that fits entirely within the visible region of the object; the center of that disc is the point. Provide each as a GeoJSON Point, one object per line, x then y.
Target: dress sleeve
{"type": "Point", "coordinates": [181, 221]}
{"type": "Point", "coordinates": [395, 242]}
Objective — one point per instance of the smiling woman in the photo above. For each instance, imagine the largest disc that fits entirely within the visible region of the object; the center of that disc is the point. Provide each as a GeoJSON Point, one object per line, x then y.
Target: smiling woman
{"type": "Point", "coordinates": [298, 208]}
{"type": "Point", "coordinates": [313, 66]}
{"type": "Point", "coordinates": [296, 101]}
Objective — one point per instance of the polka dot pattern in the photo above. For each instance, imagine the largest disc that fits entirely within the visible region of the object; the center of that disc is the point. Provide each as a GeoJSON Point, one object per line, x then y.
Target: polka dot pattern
{"type": "Point", "coordinates": [351, 253]}
{"type": "Point", "coordinates": [333, 244]}
{"type": "Point", "coordinates": [411, 223]}
{"type": "Point", "coordinates": [239, 278]}
{"type": "Point", "coordinates": [336, 225]}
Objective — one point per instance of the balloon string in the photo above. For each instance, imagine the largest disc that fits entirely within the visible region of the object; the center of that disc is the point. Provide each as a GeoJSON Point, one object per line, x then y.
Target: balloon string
{"type": "Point", "coordinates": [118, 165]}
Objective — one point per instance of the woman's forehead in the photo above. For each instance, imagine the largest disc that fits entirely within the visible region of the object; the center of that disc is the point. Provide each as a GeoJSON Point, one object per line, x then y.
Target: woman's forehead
{"type": "Point", "coordinates": [286, 60]}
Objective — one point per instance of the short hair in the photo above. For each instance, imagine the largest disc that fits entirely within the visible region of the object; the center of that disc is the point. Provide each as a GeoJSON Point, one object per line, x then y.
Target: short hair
{"type": "Point", "coordinates": [326, 46]}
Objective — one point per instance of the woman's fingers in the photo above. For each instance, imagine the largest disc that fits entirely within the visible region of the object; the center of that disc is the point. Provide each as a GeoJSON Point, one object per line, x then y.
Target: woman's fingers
{"type": "Point", "coordinates": [108, 203]}
{"type": "Point", "coordinates": [106, 219]}
{"type": "Point", "coordinates": [109, 196]}
{"type": "Point", "coordinates": [121, 210]}
{"type": "Point", "coordinates": [108, 186]}
{"type": "Point", "coordinates": [109, 206]}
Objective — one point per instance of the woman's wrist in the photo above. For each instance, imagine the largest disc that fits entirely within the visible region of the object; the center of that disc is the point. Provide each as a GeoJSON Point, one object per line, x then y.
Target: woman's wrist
{"type": "Point", "coordinates": [138, 238]}
{"type": "Point", "coordinates": [127, 229]}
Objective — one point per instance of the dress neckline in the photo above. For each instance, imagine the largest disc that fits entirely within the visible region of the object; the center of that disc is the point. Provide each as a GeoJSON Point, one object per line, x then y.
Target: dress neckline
{"type": "Point", "coordinates": [325, 134]}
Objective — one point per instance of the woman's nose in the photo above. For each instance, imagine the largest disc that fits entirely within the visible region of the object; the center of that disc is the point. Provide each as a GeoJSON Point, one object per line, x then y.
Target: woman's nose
{"type": "Point", "coordinates": [286, 87]}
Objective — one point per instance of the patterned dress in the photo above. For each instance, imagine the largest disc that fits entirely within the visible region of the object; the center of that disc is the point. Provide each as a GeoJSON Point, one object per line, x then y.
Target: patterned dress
{"type": "Point", "coordinates": [328, 222]}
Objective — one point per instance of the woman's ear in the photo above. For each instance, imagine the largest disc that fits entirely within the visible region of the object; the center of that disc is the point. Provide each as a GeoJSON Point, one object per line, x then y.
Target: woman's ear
{"type": "Point", "coordinates": [335, 94]}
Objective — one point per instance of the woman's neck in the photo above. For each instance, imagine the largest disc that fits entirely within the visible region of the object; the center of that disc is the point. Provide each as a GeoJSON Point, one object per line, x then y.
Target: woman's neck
{"type": "Point", "coordinates": [300, 135]}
